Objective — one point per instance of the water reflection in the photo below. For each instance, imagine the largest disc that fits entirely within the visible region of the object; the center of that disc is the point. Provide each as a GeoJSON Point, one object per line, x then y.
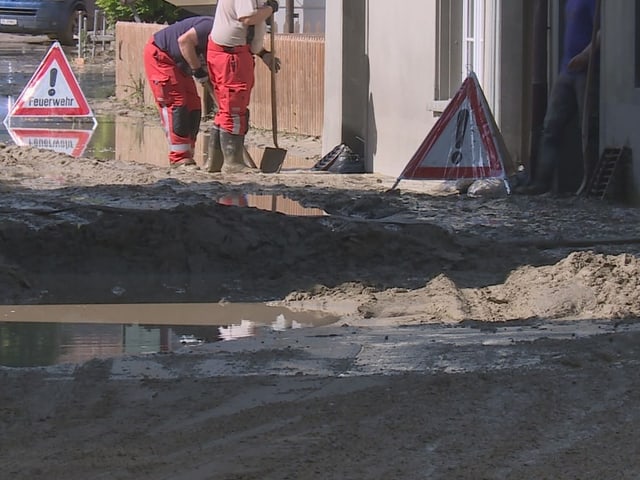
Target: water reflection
{"type": "Point", "coordinates": [33, 336]}
{"type": "Point", "coordinates": [71, 141]}
{"type": "Point", "coordinates": [234, 332]}
{"type": "Point", "coordinates": [14, 77]}
{"type": "Point", "coordinates": [271, 203]}
{"type": "Point", "coordinates": [124, 138]}
{"type": "Point", "coordinates": [4, 109]}
{"type": "Point", "coordinates": [18, 62]}
{"type": "Point", "coordinates": [137, 140]}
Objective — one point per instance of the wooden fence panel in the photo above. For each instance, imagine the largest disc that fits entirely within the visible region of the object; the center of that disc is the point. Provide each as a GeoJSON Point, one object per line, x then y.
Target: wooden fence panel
{"type": "Point", "coordinates": [131, 82]}
{"type": "Point", "coordinates": [299, 84]}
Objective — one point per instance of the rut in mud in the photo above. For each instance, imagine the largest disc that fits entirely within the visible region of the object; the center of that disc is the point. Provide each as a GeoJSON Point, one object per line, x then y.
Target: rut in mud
{"type": "Point", "coordinates": [209, 252]}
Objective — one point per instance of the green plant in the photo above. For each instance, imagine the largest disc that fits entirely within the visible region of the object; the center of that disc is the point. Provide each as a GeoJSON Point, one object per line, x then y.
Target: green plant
{"type": "Point", "coordinates": [136, 89]}
{"type": "Point", "coordinates": [148, 11]}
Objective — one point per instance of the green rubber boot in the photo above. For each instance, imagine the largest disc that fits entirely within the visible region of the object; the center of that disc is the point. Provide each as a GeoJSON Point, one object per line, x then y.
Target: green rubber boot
{"type": "Point", "coordinates": [233, 152]}
{"type": "Point", "coordinates": [215, 157]}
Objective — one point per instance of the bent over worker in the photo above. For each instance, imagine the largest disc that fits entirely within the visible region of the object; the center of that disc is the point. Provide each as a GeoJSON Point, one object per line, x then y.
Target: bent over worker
{"type": "Point", "coordinates": [237, 34]}
{"type": "Point", "coordinates": [172, 60]}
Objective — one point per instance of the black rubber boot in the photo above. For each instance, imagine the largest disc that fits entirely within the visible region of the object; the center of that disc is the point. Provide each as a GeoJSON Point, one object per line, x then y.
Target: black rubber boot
{"type": "Point", "coordinates": [541, 183]}
{"type": "Point", "coordinates": [214, 155]}
{"type": "Point", "coordinates": [233, 152]}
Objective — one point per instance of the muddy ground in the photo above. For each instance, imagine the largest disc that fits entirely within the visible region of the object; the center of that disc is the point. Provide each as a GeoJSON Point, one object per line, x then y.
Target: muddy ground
{"type": "Point", "coordinates": [388, 264]}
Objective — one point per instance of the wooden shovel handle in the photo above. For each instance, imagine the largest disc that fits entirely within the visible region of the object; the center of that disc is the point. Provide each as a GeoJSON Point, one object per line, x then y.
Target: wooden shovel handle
{"type": "Point", "coordinates": [272, 67]}
{"type": "Point", "coordinates": [588, 104]}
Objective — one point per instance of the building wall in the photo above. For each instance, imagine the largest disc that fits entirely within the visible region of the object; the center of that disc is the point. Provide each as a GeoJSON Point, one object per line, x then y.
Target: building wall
{"type": "Point", "coordinates": [401, 57]}
{"type": "Point", "coordinates": [620, 96]}
{"type": "Point", "coordinates": [332, 112]}
{"type": "Point", "coordinates": [512, 104]}
{"type": "Point", "coordinates": [355, 75]}
{"type": "Point", "coordinates": [380, 78]}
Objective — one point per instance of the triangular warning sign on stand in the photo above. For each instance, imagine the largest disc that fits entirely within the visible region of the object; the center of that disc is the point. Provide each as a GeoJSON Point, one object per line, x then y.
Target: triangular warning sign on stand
{"type": "Point", "coordinates": [69, 141]}
{"type": "Point", "coordinates": [53, 91]}
{"type": "Point", "coordinates": [465, 142]}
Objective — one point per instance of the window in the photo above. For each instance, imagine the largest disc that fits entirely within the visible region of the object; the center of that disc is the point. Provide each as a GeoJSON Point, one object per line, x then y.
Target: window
{"type": "Point", "coordinates": [473, 37]}
{"type": "Point", "coordinates": [460, 34]}
{"type": "Point", "coordinates": [449, 48]}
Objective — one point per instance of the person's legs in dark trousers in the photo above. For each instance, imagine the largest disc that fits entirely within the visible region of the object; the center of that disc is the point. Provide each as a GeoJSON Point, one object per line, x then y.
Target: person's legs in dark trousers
{"type": "Point", "coordinates": [566, 100]}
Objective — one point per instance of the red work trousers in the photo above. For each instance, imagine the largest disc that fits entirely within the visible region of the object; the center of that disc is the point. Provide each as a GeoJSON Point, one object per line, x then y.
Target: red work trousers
{"type": "Point", "coordinates": [232, 71]}
{"type": "Point", "coordinates": [177, 100]}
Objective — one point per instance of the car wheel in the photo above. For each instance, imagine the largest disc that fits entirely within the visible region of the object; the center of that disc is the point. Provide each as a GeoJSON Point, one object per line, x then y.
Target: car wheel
{"type": "Point", "coordinates": [65, 36]}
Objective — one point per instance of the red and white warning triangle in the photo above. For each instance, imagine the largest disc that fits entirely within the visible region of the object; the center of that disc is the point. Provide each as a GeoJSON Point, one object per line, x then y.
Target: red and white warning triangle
{"type": "Point", "coordinates": [72, 142]}
{"type": "Point", "coordinates": [465, 142]}
{"type": "Point", "coordinates": [53, 90]}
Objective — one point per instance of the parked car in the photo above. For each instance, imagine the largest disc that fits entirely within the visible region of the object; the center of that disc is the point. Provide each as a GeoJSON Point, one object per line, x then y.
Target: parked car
{"type": "Point", "coordinates": [56, 18]}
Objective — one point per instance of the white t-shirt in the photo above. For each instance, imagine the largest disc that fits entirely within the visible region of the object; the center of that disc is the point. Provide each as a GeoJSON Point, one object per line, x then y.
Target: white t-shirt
{"type": "Point", "coordinates": [228, 31]}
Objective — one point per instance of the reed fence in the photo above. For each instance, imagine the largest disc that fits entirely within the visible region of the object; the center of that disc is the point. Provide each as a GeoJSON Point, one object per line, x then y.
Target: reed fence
{"type": "Point", "coordinates": [299, 84]}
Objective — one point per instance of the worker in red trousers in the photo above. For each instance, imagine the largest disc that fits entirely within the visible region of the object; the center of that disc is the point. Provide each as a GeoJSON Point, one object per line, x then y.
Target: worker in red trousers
{"type": "Point", "coordinates": [173, 58]}
{"type": "Point", "coordinates": [236, 36]}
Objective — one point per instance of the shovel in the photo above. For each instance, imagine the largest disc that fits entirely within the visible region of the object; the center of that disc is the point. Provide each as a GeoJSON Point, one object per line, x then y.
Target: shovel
{"type": "Point", "coordinates": [588, 106]}
{"type": "Point", "coordinates": [273, 157]}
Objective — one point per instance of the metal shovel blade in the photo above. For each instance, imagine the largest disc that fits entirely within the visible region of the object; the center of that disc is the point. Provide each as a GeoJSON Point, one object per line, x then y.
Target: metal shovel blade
{"type": "Point", "coordinates": [272, 159]}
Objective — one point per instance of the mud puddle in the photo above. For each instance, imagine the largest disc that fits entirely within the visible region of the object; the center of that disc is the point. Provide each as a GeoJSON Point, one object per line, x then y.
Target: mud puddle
{"type": "Point", "coordinates": [36, 336]}
{"type": "Point", "coordinates": [344, 351]}
{"type": "Point", "coordinates": [124, 138]}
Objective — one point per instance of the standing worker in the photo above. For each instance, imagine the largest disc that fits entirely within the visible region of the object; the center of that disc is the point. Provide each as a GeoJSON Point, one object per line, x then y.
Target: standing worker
{"type": "Point", "coordinates": [568, 93]}
{"type": "Point", "coordinates": [172, 61]}
{"type": "Point", "coordinates": [237, 34]}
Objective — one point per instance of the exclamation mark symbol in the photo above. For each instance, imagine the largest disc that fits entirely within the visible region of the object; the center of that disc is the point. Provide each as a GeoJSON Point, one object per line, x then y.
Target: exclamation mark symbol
{"type": "Point", "coordinates": [462, 123]}
{"type": "Point", "coordinates": [53, 75]}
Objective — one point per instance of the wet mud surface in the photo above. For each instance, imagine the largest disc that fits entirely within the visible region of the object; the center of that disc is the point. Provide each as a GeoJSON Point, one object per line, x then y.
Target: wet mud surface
{"type": "Point", "coordinates": [371, 396]}
{"type": "Point", "coordinates": [569, 414]}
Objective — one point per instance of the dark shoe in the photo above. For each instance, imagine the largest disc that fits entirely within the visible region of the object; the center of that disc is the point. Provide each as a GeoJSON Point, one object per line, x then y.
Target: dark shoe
{"type": "Point", "coordinates": [532, 189]}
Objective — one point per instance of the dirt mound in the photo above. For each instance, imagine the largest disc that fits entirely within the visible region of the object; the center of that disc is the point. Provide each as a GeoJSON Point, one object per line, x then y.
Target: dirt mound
{"type": "Point", "coordinates": [84, 231]}
{"type": "Point", "coordinates": [208, 251]}
{"type": "Point", "coordinates": [585, 285]}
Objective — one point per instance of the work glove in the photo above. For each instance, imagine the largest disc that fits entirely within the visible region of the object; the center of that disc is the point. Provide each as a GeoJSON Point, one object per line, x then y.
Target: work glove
{"type": "Point", "coordinates": [273, 4]}
{"type": "Point", "coordinates": [200, 75]}
{"type": "Point", "coordinates": [267, 57]}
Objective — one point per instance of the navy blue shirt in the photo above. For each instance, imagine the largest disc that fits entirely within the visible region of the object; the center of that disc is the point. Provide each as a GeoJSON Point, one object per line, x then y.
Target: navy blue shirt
{"type": "Point", "coordinates": [167, 38]}
{"type": "Point", "coordinates": [579, 16]}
